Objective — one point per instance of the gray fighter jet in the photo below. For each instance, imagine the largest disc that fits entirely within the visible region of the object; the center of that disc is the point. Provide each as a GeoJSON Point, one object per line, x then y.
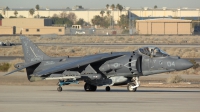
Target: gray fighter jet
{"type": "Point", "coordinates": [106, 69]}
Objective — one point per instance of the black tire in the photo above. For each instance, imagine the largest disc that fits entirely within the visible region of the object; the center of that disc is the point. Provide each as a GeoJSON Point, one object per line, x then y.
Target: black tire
{"type": "Point", "coordinates": [107, 88]}
{"type": "Point", "coordinates": [94, 88]}
{"type": "Point", "coordinates": [86, 87]}
{"type": "Point", "coordinates": [59, 89]}
{"type": "Point", "coordinates": [89, 87]}
{"type": "Point", "coordinates": [131, 89]}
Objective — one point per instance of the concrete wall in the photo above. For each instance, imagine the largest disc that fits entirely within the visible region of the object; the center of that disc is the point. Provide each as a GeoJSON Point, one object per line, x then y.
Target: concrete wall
{"type": "Point", "coordinates": [163, 26]}
{"type": "Point", "coordinates": [21, 22]}
{"type": "Point", "coordinates": [42, 30]}
{"type": "Point", "coordinates": [166, 13]}
{"type": "Point", "coordinates": [32, 30]}
{"type": "Point", "coordinates": [6, 30]}
{"type": "Point", "coordinates": [87, 15]}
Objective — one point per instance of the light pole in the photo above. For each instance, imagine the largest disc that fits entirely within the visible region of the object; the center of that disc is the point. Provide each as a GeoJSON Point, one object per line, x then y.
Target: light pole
{"type": "Point", "coordinates": [198, 15]}
{"type": "Point", "coordinates": [180, 12]}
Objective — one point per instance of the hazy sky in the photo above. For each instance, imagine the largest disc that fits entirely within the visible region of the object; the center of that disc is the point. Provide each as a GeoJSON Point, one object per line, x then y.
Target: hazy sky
{"type": "Point", "coordinates": [99, 3]}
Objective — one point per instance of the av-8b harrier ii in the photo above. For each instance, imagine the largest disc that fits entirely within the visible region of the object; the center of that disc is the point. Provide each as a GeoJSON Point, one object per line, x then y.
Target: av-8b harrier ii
{"type": "Point", "coordinates": [106, 69]}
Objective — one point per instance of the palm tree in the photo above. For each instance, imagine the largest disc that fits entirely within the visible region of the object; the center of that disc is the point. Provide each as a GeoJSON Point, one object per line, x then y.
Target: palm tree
{"type": "Point", "coordinates": [102, 12]}
{"type": "Point", "coordinates": [7, 8]}
{"type": "Point", "coordinates": [108, 13]}
{"type": "Point", "coordinates": [37, 7]}
{"type": "Point", "coordinates": [120, 9]}
{"type": "Point", "coordinates": [32, 11]}
{"type": "Point", "coordinates": [113, 7]}
{"type": "Point", "coordinates": [15, 13]}
{"type": "Point", "coordinates": [155, 7]}
{"type": "Point", "coordinates": [117, 7]}
{"type": "Point", "coordinates": [107, 6]}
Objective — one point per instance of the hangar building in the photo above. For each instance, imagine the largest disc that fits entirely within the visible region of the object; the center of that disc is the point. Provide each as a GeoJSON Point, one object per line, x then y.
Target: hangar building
{"type": "Point", "coordinates": [164, 26]}
{"type": "Point", "coordinates": [29, 26]}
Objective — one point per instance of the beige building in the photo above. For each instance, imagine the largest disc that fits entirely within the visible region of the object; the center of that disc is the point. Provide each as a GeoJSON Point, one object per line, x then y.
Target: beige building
{"type": "Point", "coordinates": [22, 22]}
{"type": "Point", "coordinates": [164, 26]}
{"type": "Point", "coordinates": [88, 14]}
{"type": "Point", "coordinates": [29, 26]}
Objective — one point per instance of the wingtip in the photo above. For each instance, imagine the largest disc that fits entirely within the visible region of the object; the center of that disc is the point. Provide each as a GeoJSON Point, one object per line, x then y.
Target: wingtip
{"type": "Point", "coordinates": [7, 74]}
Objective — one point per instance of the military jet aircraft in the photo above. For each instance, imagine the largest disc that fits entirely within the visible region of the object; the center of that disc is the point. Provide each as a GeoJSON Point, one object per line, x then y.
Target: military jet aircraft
{"type": "Point", "coordinates": [106, 69]}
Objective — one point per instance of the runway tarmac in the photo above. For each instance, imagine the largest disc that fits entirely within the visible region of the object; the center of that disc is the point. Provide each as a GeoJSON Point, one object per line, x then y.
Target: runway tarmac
{"type": "Point", "coordinates": [75, 99]}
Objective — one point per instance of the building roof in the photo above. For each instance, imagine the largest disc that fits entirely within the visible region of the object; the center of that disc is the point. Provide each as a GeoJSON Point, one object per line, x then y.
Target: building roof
{"type": "Point", "coordinates": [164, 20]}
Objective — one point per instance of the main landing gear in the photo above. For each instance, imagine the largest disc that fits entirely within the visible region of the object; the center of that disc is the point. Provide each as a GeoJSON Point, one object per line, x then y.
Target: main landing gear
{"type": "Point", "coordinates": [107, 88]}
{"type": "Point", "coordinates": [132, 87]}
{"type": "Point", "coordinates": [67, 82]}
{"type": "Point", "coordinates": [89, 87]}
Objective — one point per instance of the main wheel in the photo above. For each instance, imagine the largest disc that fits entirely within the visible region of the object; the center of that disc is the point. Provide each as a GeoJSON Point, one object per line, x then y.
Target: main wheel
{"type": "Point", "coordinates": [59, 89]}
{"type": "Point", "coordinates": [89, 87]}
{"type": "Point", "coordinates": [93, 88]}
{"type": "Point", "coordinates": [129, 87]}
{"type": "Point", "coordinates": [107, 88]}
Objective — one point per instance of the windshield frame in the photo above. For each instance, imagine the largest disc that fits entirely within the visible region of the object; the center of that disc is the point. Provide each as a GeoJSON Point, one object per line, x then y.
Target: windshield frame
{"type": "Point", "coordinates": [150, 51]}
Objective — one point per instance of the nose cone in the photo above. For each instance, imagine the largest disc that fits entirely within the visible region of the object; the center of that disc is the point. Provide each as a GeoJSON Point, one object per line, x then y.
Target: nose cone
{"type": "Point", "coordinates": [182, 64]}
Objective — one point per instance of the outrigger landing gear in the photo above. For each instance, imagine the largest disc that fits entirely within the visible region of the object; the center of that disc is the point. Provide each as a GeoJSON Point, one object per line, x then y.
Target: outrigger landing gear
{"type": "Point", "coordinates": [132, 87]}
{"type": "Point", "coordinates": [59, 89]}
{"type": "Point", "coordinates": [67, 82]}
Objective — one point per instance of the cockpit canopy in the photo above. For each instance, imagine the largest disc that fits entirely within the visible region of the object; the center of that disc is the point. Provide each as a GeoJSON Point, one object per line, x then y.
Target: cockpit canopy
{"type": "Point", "coordinates": [153, 51]}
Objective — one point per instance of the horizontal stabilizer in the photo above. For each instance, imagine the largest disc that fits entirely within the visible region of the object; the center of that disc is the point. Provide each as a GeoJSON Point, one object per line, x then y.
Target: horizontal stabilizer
{"type": "Point", "coordinates": [24, 66]}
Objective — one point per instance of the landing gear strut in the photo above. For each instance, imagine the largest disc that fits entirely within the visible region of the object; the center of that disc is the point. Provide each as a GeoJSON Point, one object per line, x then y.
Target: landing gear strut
{"type": "Point", "coordinates": [89, 87]}
{"type": "Point", "coordinates": [132, 87]}
{"type": "Point", "coordinates": [62, 83]}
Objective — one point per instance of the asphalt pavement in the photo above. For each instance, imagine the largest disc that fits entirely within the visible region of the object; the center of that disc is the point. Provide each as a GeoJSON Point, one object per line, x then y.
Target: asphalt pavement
{"type": "Point", "coordinates": [75, 99]}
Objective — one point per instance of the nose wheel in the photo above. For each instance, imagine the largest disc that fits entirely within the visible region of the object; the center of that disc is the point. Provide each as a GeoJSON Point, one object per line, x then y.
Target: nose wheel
{"type": "Point", "coordinates": [132, 87]}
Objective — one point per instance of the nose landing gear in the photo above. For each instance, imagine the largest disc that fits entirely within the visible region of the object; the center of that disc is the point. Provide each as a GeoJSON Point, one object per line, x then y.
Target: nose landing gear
{"type": "Point", "coordinates": [132, 87]}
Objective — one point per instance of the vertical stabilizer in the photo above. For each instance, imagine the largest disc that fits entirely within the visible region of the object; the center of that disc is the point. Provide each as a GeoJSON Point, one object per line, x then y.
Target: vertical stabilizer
{"type": "Point", "coordinates": [31, 51]}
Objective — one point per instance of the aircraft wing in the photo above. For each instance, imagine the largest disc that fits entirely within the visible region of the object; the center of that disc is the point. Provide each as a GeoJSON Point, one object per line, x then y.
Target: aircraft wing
{"type": "Point", "coordinates": [78, 63]}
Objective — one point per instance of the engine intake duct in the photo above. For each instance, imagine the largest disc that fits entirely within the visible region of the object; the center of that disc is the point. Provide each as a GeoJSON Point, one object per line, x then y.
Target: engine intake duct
{"type": "Point", "coordinates": [139, 64]}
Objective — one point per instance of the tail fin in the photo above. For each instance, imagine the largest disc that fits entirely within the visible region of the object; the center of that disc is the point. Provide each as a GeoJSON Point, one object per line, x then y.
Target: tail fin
{"type": "Point", "coordinates": [31, 51]}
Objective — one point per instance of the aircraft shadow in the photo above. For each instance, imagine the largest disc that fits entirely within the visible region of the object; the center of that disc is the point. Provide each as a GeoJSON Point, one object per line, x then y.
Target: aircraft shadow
{"type": "Point", "coordinates": [138, 91]}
